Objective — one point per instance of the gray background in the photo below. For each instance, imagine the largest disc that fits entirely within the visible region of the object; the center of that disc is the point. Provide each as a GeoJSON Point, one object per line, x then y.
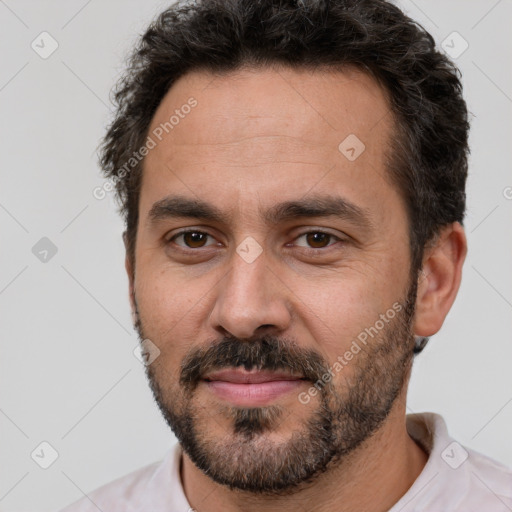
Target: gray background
{"type": "Point", "coordinates": [68, 375]}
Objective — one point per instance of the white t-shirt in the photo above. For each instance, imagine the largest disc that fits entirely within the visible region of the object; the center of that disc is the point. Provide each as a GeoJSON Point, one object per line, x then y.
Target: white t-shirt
{"type": "Point", "coordinates": [455, 479]}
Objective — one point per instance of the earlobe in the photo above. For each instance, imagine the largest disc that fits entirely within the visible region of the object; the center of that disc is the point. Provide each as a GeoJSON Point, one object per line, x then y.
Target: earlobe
{"type": "Point", "coordinates": [439, 280]}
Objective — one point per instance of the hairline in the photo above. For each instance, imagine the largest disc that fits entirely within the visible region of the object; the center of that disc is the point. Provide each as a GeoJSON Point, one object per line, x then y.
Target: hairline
{"type": "Point", "coordinates": [395, 136]}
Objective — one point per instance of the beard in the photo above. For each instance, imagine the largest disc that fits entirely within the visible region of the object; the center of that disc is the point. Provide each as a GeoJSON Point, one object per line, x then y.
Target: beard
{"type": "Point", "coordinates": [247, 457]}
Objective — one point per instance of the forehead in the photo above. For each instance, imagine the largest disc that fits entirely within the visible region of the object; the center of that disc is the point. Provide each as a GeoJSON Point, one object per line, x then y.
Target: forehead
{"type": "Point", "coordinates": [303, 104]}
{"type": "Point", "coordinates": [268, 130]}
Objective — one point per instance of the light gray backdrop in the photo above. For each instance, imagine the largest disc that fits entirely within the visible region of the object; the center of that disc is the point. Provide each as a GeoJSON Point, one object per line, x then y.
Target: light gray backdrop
{"type": "Point", "coordinates": [68, 375]}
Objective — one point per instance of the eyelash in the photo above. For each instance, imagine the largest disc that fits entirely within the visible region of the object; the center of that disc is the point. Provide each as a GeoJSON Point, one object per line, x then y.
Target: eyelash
{"type": "Point", "coordinates": [184, 232]}
{"type": "Point", "coordinates": [307, 249]}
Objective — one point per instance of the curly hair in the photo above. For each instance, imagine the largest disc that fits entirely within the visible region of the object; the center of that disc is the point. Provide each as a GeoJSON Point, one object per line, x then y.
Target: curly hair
{"type": "Point", "coordinates": [428, 161]}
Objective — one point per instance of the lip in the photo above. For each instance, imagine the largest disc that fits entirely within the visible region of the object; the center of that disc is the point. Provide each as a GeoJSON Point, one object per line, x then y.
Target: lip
{"type": "Point", "coordinates": [242, 376]}
{"type": "Point", "coordinates": [254, 388]}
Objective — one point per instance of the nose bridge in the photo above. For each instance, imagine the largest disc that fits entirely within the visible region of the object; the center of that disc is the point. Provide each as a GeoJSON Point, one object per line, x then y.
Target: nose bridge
{"type": "Point", "coordinates": [249, 297]}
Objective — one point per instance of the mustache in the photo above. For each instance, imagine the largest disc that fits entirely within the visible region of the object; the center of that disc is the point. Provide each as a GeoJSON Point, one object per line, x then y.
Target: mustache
{"type": "Point", "coordinates": [264, 353]}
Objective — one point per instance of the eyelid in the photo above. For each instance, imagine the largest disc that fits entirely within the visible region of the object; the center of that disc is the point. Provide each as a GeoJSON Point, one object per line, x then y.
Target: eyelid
{"type": "Point", "coordinates": [325, 231]}
{"type": "Point", "coordinates": [184, 231]}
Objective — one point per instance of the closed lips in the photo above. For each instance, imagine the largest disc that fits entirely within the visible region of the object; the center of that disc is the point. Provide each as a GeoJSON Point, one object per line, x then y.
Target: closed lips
{"type": "Point", "coordinates": [245, 377]}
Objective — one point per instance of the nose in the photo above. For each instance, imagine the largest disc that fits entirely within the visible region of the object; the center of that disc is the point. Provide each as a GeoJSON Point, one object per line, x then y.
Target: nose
{"type": "Point", "coordinates": [250, 300]}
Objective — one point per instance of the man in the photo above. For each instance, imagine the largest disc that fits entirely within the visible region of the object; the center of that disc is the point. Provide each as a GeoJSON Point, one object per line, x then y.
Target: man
{"type": "Point", "coordinates": [292, 175]}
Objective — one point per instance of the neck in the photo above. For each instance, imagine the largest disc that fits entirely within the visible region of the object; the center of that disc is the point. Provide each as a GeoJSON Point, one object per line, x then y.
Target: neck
{"type": "Point", "coordinates": [373, 477]}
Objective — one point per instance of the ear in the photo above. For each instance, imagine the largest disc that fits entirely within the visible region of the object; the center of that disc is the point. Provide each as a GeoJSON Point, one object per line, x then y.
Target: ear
{"type": "Point", "coordinates": [130, 270]}
{"type": "Point", "coordinates": [439, 280]}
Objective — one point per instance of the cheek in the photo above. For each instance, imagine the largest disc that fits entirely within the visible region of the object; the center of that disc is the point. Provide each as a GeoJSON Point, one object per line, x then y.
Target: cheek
{"type": "Point", "coordinates": [338, 309]}
{"type": "Point", "coordinates": [340, 313]}
{"type": "Point", "coordinates": [168, 309]}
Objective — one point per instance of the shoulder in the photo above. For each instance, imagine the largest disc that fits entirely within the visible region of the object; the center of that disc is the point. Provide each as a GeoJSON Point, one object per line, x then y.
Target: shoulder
{"type": "Point", "coordinates": [116, 495]}
{"type": "Point", "coordinates": [455, 478]}
{"type": "Point", "coordinates": [489, 483]}
{"type": "Point", "coordinates": [130, 493]}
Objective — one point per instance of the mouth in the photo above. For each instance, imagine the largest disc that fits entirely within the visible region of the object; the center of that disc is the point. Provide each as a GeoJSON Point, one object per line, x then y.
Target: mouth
{"type": "Point", "coordinates": [251, 388]}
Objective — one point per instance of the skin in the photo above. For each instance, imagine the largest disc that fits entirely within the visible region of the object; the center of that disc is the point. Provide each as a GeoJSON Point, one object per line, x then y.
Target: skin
{"type": "Point", "coordinates": [255, 139]}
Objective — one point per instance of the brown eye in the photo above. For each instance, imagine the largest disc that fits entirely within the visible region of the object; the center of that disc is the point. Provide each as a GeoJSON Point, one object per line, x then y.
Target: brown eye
{"type": "Point", "coordinates": [318, 240]}
{"type": "Point", "coordinates": [195, 239]}
{"type": "Point", "coordinates": [192, 239]}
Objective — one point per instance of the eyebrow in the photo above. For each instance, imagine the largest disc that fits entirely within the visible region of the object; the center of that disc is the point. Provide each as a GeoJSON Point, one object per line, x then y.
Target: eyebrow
{"type": "Point", "coordinates": [313, 206]}
{"type": "Point", "coordinates": [178, 206]}
{"type": "Point", "coordinates": [319, 206]}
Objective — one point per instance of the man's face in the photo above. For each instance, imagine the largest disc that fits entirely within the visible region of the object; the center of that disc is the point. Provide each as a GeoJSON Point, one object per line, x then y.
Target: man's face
{"type": "Point", "coordinates": [307, 253]}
